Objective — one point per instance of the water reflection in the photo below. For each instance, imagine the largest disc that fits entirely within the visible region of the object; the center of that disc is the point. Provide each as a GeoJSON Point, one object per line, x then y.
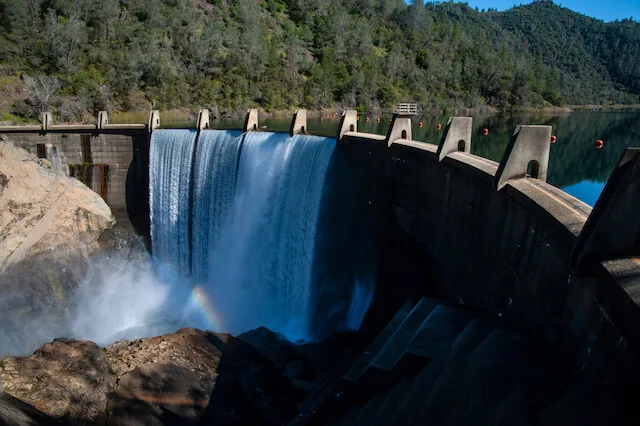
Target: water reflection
{"type": "Point", "coordinates": [575, 165]}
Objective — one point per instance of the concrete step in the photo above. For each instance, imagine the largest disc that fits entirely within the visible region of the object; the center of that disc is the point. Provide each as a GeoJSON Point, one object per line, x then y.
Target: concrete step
{"type": "Point", "coordinates": [349, 419]}
{"type": "Point", "coordinates": [508, 379]}
{"type": "Point", "coordinates": [367, 414]}
{"type": "Point", "coordinates": [469, 339]}
{"type": "Point", "coordinates": [390, 405]}
{"type": "Point", "coordinates": [315, 400]}
{"type": "Point", "coordinates": [438, 332]}
{"type": "Point", "coordinates": [415, 396]}
{"type": "Point", "coordinates": [361, 365]}
{"type": "Point", "coordinates": [446, 401]}
{"type": "Point", "coordinates": [588, 400]}
{"type": "Point", "coordinates": [397, 344]}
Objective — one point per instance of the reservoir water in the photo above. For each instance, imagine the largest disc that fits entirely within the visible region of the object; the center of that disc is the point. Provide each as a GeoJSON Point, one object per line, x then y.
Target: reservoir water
{"type": "Point", "coordinates": [575, 165]}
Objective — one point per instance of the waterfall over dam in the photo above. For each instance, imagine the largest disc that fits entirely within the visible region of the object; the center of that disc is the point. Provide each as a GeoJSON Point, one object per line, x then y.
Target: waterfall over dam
{"type": "Point", "coordinates": [238, 217]}
{"type": "Point", "coordinates": [171, 158]}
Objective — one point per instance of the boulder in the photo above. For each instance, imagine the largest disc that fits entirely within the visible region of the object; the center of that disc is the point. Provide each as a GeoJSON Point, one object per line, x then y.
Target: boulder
{"type": "Point", "coordinates": [65, 379]}
{"type": "Point", "coordinates": [45, 212]}
{"type": "Point", "coordinates": [187, 377]}
{"type": "Point", "coordinates": [51, 225]}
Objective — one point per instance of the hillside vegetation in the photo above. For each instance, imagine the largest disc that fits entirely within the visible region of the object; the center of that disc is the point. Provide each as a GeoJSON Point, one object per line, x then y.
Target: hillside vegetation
{"type": "Point", "coordinates": [79, 56]}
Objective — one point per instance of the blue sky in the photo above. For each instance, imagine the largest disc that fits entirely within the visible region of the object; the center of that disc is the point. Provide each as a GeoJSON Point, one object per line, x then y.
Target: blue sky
{"type": "Point", "coordinates": [609, 10]}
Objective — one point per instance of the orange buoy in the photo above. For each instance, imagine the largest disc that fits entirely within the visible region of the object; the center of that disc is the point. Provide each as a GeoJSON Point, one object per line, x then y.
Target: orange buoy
{"type": "Point", "coordinates": [378, 119]}
{"type": "Point", "coordinates": [485, 131]}
{"type": "Point", "coordinates": [439, 126]}
{"type": "Point", "coordinates": [599, 144]}
{"type": "Point", "coordinates": [553, 139]}
{"type": "Point", "coordinates": [421, 124]}
{"type": "Point", "coordinates": [389, 121]}
{"type": "Point", "coordinates": [335, 115]}
{"type": "Point", "coordinates": [327, 115]}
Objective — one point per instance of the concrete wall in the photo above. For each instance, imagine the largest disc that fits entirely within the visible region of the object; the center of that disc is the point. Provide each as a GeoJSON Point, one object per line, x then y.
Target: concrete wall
{"type": "Point", "coordinates": [115, 151]}
{"type": "Point", "coordinates": [511, 252]}
{"type": "Point", "coordinates": [458, 227]}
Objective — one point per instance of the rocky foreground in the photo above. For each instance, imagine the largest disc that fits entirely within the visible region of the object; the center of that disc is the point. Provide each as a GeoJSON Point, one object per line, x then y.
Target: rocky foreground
{"type": "Point", "coordinates": [188, 377]}
{"type": "Point", "coordinates": [51, 226]}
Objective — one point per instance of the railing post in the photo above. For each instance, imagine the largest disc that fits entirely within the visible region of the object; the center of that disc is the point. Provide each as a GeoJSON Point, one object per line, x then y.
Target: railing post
{"type": "Point", "coordinates": [251, 120]}
{"type": "Point", "coordinates": [47, 120]}
{"type": "Point", "coordinates": [299, 122]}
{"type": "Point", "coordinates": [529, 144]}
{"type": "Point", "coordinates": [154, 120]}
{"type": "Point", "coordinates": [457, 131]}
{"type": "Point", "coordinates": [103, 119]}
{"type": "Point", "coordinates": [348, 123]}
{"type": "Point", "coordinates": [400, 128]}
{"type": "Point", "coordinates": [203, 119]}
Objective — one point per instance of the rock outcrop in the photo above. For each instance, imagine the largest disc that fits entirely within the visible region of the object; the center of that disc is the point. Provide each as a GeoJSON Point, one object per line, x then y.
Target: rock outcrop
{"type": "Point", "coordinates": [43, 211]}
{"type": "Point", "coordinates": [50, 225]}
{"type": "Point", "coordinates": [188, 377]}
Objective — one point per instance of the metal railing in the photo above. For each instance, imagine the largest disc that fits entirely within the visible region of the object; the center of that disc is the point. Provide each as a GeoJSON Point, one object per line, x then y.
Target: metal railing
{"type": "Point", "coordinates": [405, 108]}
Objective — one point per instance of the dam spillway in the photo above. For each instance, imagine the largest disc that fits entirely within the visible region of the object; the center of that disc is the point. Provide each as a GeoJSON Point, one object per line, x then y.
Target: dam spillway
{"type": "Point", "coordinates": [171, 157]}
{"type": "Point", "coordinates": [237, 215]}
{"type": "Point", "coordinates": [473, 239]}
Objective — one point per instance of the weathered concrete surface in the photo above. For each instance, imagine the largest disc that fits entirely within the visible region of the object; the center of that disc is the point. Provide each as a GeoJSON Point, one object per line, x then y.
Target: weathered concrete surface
{"type": "Point", "coordinates": [505, 252]}
{"type": "Point", "coordinates": [42, 211]}
{"type": "Point", "coordinates": [452, 236]}
{"type": "Point", "coordinates": [616, 210]}
{"type": "Point", "coordinates": [348, 123]}
{"type": "Point", "coordinates": [446, 366]}
{"type": "Point", "coordinates": [114, 151]}
{"type": "Point", "coordinates": [251, 120]}
{"type": "Point", "coordinates": [528, 144]}
{"type": "Point", "coordinates": [472, 232]}
{"type": "Point", "coordinates": [299, 122]}
{"type": "Point", "coordinates": [457, 132]}
{"type": "Point", "coordinates": [400, 128]}
{"type": "Point", "coordinates": [187, 377]}
{"type": "Point", "coordinates": [350, 255]}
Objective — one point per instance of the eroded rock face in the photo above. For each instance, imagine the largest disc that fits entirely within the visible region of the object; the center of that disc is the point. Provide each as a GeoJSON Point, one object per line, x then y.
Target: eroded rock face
{"type": "Point", "coordinates": [51, 225]}
{"type": "Point", "coordinates": [67, 379]}
{"type": "Point", "coordinates": [43, 211]}
{"type": "Point", "coordinates": [187, 377]}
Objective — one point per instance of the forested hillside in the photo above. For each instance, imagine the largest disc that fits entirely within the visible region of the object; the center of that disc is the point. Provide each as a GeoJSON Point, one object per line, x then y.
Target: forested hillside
{"type": "Point", "coordinates": [75, 56]}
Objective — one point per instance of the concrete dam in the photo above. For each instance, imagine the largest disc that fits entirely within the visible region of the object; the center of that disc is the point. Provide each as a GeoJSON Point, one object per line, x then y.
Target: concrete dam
{"type": "Point", "coordinates": [491, 297]}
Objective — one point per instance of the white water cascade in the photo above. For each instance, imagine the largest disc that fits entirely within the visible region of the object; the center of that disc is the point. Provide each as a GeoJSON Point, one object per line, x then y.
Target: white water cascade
{"type": "Point", "coordinates": [253, 203]}
{"type": "Point", "coordinates": [171, 159]}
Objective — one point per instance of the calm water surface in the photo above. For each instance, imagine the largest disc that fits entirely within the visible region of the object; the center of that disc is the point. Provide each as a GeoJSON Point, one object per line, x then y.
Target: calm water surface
{"type": "Point", "coordinates": [575, 165]}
